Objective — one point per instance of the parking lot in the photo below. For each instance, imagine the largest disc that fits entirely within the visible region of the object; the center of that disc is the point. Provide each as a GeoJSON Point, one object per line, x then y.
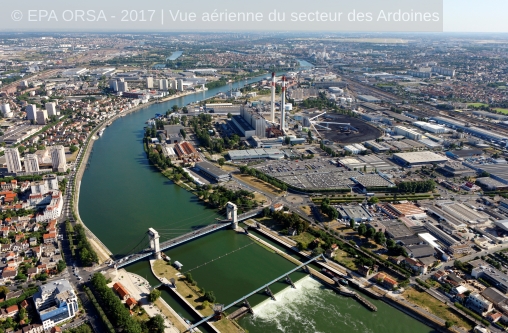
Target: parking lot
{"type": "Point", "coordinates": [316, 173]}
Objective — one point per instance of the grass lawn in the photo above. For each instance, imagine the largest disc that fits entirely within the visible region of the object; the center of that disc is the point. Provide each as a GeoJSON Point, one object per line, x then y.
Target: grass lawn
{"type": "Point", "coordinates": [161, 268]}
{"type": "Point", "coordinates": [505, 111]}
{"type": "Point", "coordinates": [436, 307]}
{"type": "Point", "coordinates": [226, 326]}
{"type": "Point", "coordinates": [345, 259]}
{"type": "Point", "coordinates": [477, 104]}
{"type": "Point", "coordinates": [305, 238]}
{"type": "Point", "coordinates": [259, 184]}
{"type": "Point", "coordinates": [306, 210]}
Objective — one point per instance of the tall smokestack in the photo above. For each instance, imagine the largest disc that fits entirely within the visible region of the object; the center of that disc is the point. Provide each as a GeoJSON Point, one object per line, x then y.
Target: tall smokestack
{"type": "Point", "coordinates": [273, 98]}
{"type": "Point", "coordinates": [283, 106]}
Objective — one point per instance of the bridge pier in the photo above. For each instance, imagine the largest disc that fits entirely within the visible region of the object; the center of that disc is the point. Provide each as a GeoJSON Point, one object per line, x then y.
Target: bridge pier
{"type": "Point", "coordinates": [288, 280]}
{"type": "Point", "coordinates": [247, 304]}
{"type": "Point", "coordinates": [231, 214]}
{"type": "Point", "coordinates": [269, 293]}
{"type": "Point", "coordinates": [154, 242]}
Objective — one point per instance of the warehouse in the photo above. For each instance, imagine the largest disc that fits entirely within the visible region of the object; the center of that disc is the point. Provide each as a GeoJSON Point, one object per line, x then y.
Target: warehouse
{"type": "Point", "coordinates": [418, 158]}
{"type": "Point", "coordinates": [211, 171]}
{"type": "Point", "coordinates": [432, 128]}
{"type": "Point", "coordinates": [250, 154]}
{"type": "Point", "coordinates": [357, 213]}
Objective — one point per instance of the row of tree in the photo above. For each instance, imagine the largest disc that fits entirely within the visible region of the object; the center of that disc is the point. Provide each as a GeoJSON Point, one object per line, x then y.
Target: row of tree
{"type": "Point", "coordinates": [370, 233]}
{"type": "Point", "coordinates": [221, 195]}
{"type": "Point", "coordinates": [328, 209]}
{"type": "Point", "coordinates": [118, 314]}
{"type": "Point", "coordinates": [292, 220]}
{"type": "Point", "coordinates": [420, 186]}
{"type": "Point", "coordinates": [86, 253]}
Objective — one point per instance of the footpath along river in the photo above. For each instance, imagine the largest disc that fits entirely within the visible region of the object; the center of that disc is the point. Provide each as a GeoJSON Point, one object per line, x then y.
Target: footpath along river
{"type": "Point", "coordinates": [122, 196]}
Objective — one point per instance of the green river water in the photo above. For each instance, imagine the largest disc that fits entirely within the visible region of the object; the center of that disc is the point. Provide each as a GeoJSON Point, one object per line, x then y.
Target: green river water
{"type": "Point", "coordinates": [122, 196]}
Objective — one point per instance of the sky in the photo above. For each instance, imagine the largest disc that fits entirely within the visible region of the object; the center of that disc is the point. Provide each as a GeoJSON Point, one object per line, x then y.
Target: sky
{"type": "Point", "coordinates": [457, 16]}
{"type": "Point", "coordinates": [475, 15]}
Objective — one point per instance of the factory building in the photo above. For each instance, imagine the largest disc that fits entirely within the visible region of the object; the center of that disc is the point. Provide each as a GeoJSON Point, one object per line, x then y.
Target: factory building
{"type": "Point", "coordinates": [432, 128]}
{"type": "Point", "coordinates": [418, 158]}
{"type": "Point", "coordinates": [408, 133]}
{"type": "Point", "coordinates": [252, 154]}
{"type": "Point", "coordinates": [212, 172]}
{"type": "Point", "coordinates": [475, 131]}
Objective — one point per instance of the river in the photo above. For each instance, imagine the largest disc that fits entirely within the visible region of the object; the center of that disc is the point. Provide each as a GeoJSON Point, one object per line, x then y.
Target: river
{"type": "Point", "coordinates": [122, 196]}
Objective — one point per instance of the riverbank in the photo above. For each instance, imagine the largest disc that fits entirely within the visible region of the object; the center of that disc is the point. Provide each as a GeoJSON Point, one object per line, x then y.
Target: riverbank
{"type": "Point", "coordinates": [101, 249]}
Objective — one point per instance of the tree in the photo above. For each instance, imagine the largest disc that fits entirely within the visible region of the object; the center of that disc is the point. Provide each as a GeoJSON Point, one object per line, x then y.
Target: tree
{"type": "Point", "coordinates": [182, 132]}
{"type": "Point", "coordinates": [174, 108]}
{"type": "Point", "coordinates": [373, 200]}
{"type": "Point", "coordinates": [73, 148]}
{"type": "Point", "coordinates": [210, 297]}
{"type": "Point", "coordinates": [221, 161]}
{"type": "Point", "coordinates": [379, 237]}
{"type": "Point", "coordinates": [156, 324]}
{"type": "Point", "coordinates": [154, 295]}
{"type": "Point", "coordinates": [4, 291]}
{"type": "Point", "coordinates": [60, 266]}
{"type": "Point", "coordinates": [362, 229]}
{"type": "Point", "coordinates": [370, 233]}
{"type": "Point", "coordinates": [230, 115]}
{"type": "Point", "coordinates": [205, 304]}
{"type": "Point", "coordinates": [185, 110]}
{"type": "Point", "coordinates": [352, 223]}
{"type": "Point", "coordinates": [448, 323]}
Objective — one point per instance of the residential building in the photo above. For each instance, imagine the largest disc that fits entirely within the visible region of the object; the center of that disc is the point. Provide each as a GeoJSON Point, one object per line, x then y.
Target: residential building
{"type": "Point", "coordinates": [149, 82]}
{"type": "Point", "coordinates": [6, 110]}
{"type": "Point", "coordinates": [13, 160]}
{"type": "Point", "coordinates": [31, 163]}
{"type": "Point", "coordinates": [51, 109]}
{"type": "Point", "coordinates": [41, 117]}
{"type": "Point", "coordinates": [55, 302]}
{"type": "Point", "coordinates": [58, 158]}
{"type": "Point", "coordinates": [31, 111]}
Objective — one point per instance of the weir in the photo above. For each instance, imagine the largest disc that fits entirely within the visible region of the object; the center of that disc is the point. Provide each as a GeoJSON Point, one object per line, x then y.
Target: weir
{"type": "Point", "coordinates": [264, 287]}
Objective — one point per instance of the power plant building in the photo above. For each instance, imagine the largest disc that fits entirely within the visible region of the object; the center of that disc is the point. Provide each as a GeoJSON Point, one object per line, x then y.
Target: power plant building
{"type": "Point", "coordinates": [249, 124]}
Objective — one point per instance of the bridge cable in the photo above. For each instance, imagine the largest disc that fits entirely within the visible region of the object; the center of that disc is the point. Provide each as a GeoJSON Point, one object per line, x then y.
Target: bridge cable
{"type": "Point", "coordinates": [222, 256]}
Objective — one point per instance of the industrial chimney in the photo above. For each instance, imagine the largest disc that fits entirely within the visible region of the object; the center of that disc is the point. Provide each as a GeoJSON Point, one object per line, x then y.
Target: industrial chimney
{"type": "Point", "coordinates": [283, 106]}
{"type": "Point", "coordinates": [273, 97]}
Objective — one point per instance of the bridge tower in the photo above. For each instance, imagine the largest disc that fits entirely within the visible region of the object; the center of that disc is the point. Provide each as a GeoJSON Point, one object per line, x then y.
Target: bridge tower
{"type": "Point", "coordinates": [231, 214]}
{"type": "Point", "coordinates": [154, 242]}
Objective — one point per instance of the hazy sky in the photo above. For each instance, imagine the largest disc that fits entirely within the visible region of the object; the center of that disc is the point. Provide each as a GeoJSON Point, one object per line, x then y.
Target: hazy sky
{"type": "Point", "coordinates": [476, 15]}
{"type": "Point", "coordinates": [458, 15]}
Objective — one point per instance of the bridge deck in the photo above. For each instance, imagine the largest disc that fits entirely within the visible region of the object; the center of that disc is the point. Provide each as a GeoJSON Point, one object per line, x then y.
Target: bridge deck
{"type": "Point", "coordinates": [183, 239]}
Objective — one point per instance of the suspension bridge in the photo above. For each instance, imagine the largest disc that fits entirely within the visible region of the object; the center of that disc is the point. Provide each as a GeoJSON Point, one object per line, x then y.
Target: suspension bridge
{"type": "Point", "coordinates": [155, 248]}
